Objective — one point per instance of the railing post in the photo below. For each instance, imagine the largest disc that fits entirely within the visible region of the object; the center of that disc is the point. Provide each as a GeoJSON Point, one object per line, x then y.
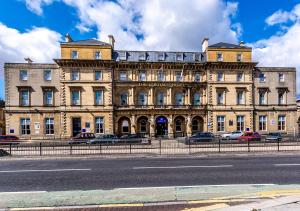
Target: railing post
{"type": "Point", "coordinates": [129, 148]}
{"type": "Point", "coordinates": [219, 145]}
{"type": "Point", "coordinates": [278, 144]}
{"type": "Point", "coordinates": [248, 145]}
{"type": "Point", "coordinates": [159, 146]}
{"type": "Point", "coordinates": [10, 148]}
{"type": "Point", "coordinates": [100, 149]}
{"type": "Point", "coordinates": [71, 150]}
{"type": "Point", "coordinates": [189, 146]}
{"type": "Point", "coordinates": [40, 148]}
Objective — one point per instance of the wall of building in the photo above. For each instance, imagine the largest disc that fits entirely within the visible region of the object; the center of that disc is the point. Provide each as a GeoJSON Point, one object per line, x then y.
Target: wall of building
{"type": "Point", "coordinates": [229, 55]}
{"type": "Point", "coordinates": [85, 52]}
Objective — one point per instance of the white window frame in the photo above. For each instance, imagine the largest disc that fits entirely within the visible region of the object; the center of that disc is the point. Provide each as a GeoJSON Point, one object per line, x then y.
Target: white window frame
{"type": "Point", "coordinates": [23, 77]}
{"type": "Point", "coordinates": [73, 56]}
{"type": "Point", "coordinates": [240, 97]}
{"type": "Point", "coordinates": [75, 75]}
{"type": "Point", "coordinates": [26, 130]}
{"type": "Point", "coordinates": [49, 126]}
{"type": "Point", "coordinates": [99, 125]}
{"type": "Point", "coordinates": [221, 123]}
{"type": "Point", "coordinates": [220, 102]}
{"type": "Point", "coordinates": [45, 97]}
{"type": "Point", "coordinates": [262, 122]}
{"type": "Point", "coordinates": [240, 123]}
{"type": "Point", "coordinates": [281, 122]}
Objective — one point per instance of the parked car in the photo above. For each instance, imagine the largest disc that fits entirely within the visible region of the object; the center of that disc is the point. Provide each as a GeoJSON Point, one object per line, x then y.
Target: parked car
{"type": "Point", "coordinates": [82, 138]}
{"type": "Point", "coordinates": [104, 139]}
{"type": "Point", "coordinates": [232, 136]}
{"type": "Point", "coordinates": [200, 137]}
{"type": "Point", "coordinates": [9, 139]}
{"type": "Point", "coordinates": [250, 136]}
{"type": "Point", "coordinates": [135, 138]}
{"type": "Point", "coordinates": [274, 137]}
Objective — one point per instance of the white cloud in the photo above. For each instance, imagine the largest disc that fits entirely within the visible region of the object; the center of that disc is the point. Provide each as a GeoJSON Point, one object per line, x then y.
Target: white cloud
{"type": "Point", "coordinates": [36, 5]}
{"type": "Point", "coordinates": [156, 24]}
{"type": "Point", "coordinates": [282, 49]}
{"type": "Point", "coordinates": [281, 17]}
{"type": "Point", "coordinates": [39, 44]}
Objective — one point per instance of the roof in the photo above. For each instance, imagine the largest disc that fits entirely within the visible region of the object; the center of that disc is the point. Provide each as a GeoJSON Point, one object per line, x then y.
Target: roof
{"type": "Point", "coordinates": [158, 56]}
{"type": "Point", "coordinates": [227, 45]}
{"type": "Point", "coordinates": [93, 42]}
{"type": "Point", "coordinates": [276, 69]}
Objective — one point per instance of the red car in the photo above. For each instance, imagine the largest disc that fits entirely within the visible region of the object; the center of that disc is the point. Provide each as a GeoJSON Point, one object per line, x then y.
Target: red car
{"type": "Point", "coordinates": [8, 139]}
{"type": "Point", "coordinates": [250, 136]}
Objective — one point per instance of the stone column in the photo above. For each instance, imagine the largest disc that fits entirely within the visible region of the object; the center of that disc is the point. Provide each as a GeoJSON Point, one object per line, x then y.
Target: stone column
{"type": "Point", "coordinates": [188, 125]}
{"type": "Point", "coordinates": [133, 124]}
{"type": "Point", "coordinates": [188, 96]}
{"type": "Point", "coordinates": [169, 101]}
{"type": "Point", "coordinates": [170, 127]}
{"type": "Point", "coordinates": [152, 126]}
{"type": "Point", "coordinates": [132, 97]}
{"type": "Point", "coordinates": [151, 97]}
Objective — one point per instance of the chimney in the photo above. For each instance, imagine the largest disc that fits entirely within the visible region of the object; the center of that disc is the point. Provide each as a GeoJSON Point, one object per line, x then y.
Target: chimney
{"type": "Point", "coordinates": [242, 43]}
{"type": "Point", "coordinates": [68, 38]}
{"type": "Point", "coordinates": [111, 40]}
{"type": "Point", "coordinates": [205, 44]}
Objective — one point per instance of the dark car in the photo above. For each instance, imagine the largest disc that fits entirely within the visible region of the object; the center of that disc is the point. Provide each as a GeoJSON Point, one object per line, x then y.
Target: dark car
{"type": "Point", "coordinates": [250, 136]}
{"type": "Point", "coordinates": [200, 137]}
{"type": "Point", "coordinates": [82, 138]}
{"type": "Point", "coordinates": [104, 139]}
{"type": "Point", "coordinates": [9, 139]}
{"type": "Point", "coordinates": [274, 137]}
{"type": "Point", "coordinates": [134, 138]}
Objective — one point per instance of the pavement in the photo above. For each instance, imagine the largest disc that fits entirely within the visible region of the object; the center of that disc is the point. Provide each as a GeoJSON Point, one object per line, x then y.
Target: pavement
{"type": "Point", "coordinates": [183, 183]}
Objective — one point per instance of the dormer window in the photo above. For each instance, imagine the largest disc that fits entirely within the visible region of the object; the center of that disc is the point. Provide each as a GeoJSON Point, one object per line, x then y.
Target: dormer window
{"type": "Point", "coordinates": [123, 55]}
{"type": "Point", "coordinates": [97, 55]}
{"type": "Point", "coordinates": [161, 56]}
{"type": "Point", "coordinates": [219, 57]}
{"type": "Point", "coordinates": [142, 56]}
{"type": "Point", "coordinates": [179, 56]}
{"type": "Point", "coordinates": [74, 55]}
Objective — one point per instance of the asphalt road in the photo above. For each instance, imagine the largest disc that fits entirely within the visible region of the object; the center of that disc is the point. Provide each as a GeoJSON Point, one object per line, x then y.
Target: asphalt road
{"type": "Point", "coordinates": [91, 174]}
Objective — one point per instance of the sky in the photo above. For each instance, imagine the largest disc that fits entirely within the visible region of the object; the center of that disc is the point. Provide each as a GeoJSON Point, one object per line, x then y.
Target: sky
{"type": "Point", "coordinates": [34, 28]}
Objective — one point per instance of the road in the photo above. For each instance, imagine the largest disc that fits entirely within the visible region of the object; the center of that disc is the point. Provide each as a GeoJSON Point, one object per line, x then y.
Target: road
{"type": "Point", "coordinates": [99, 173]}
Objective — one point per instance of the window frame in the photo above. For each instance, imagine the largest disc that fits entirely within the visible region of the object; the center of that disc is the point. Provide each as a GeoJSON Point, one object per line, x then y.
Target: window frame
{"type": "Point", "coordinates": [21, 91]}
{"type": "Point", "coordinates": [239, 57]}
{"type": "Point", "coordinates": [142, 73]}
{"type": "Point", "coordinates": [97, 125]}
{"type": "Point", "coordinates": [49, 128]}
{"type": "Point", "coordinates": [47, 70]}
{"type": "Point", "coordinates": [26, 128]}
{"type": "Point", "coordinates": [72, 54]}
{"type": "Point", "coordinates": [240, 125]}
{"type": "Point", "coordinates": [79, 97]}
{"type": "Point", "coordinates": [21, 75]}
{"type": "Point", "coordinates": [239, 79]}
{"type": "Point", "coordinates": [126, 99]}
{"type": "Point", "coordinates": [219, 57]}
{"type": "Point", "coordinates": [221, 124]}
{"type": "Point", "coordinates": [99, 55]}
{"type": "Point", "coordinates": [102, 97]}
{"type": "Point", "coordinates": [242, 100]}
{"type": "Point", "coordinates": [222, 92]}
{"type": "Point", "coordinates": [121, 74]}
{"type": "Point", "coordinates": [101, 75]}
{"type": "Point", "coordinates": [73, 71]}
{"type": "Point", "coordinates": [45, 99]}
{"type": "Point", "coordinates": [222, 76]}
{"type": "Point", "coordinates": [281, 79]}
{"type": "Point", "coordinates": [262, 122]}
{"type": "Point", "coordinates": [281, 123]}
{"type": "Point", "coordinates": [262, 79]}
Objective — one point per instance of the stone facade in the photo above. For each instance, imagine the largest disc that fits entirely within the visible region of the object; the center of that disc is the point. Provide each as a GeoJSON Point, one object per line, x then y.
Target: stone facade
{"type": "Point", "coordinates": [98, 89]}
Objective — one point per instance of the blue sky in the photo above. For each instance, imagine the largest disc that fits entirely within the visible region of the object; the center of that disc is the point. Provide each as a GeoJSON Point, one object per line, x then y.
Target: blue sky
{"type": "Point", "coordinates": [37, 26]}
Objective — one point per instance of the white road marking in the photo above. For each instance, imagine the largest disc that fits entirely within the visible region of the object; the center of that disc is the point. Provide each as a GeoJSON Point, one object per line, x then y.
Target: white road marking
{"type": "Point", "coordinates": [42, 170]}
{"type": "Point", "coordinates": [180, 167]}
{"type": "Point", "coordinates": [23, 192]}
{"type": "Point", "coordinates": [287, 164]}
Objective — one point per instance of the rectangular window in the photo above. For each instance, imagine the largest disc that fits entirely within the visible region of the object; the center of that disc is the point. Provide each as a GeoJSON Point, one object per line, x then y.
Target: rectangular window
{"type": "Point", "coordinates": [220, 97]}
{"type": "Point", "coordinates": [24, 97]}
{"type": "Point", "coordinates": [161, 56]}
{"type": "Point", "coordinates": [97, 55]}
{"type": "Point", "coordinates": [142, 76]}
{"type": "Point", "coordinates": [48, 97]}
{"type": "Point", "coordinates": [47, 75]}
{"type": "Point", "coordinates": [240, 98]}
{"type": "Point", "coordinates": [123, 56]}
{"type": "Point", "coordinates": [74, 75]}
{"type": "Point", "coordinates": [220, 123]}
{"type": "Point", "coordinates": [123, 76]}
{"type": "Point", "coordinates": [25, 126]}
{"type": "Point", "coordinates": [160, 76]}
{"type": "Point", "coordinates": [123, 99]}
{"type": "Point", "coordinates": [219, 76]}
{"type": "Point", "coordinates": [179, 56]}
{"type": "Point", "coordinates": [262, 98]}
{"type": "Point", "coordinates": [240, 123]}
{"type": "Point", "coordinates": [239, 57]}
{"type": "Point", "coordinates": [98, 75]}
{"type": "Point", "coordinates": [98, 97]}
{"type": "Point", "coordinates": [75, 97]}
{"type": "Point", "coordinates": [49, 126]}
{"type": "Point", "coordinates": [197, 77]}
{"type": "Point", "coordinates": [74, 55]}
{"type": "Point", "coordinates": [239, 77]}
{"type": "Point", "coordinates": [280, 98]}
{"type": "Point", "coordinates": [281, 77]}
{"type": "Point", "coordinates": [99, 125]}
{"type": "Point", "coordinates": [281, 122]}
{"type": "Point", "coordinates": [219, 57]}
{"type": "Point", "coordinates": [160, 98]}
{"type": "Point", "coordinates": [179, 76]}
{"type": "Point", "coordinates": [262, 77]}
{"type": "Point", "coordinates": [23, 75]}
{"type": "Point", "coordinates": [262, 123]}
{"type": "Point", "coordinates": [142, 56]}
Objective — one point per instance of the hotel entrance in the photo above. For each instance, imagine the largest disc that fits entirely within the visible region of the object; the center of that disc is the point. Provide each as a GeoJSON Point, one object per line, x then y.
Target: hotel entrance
{"type": "Point", "coordinates": [161, 128]}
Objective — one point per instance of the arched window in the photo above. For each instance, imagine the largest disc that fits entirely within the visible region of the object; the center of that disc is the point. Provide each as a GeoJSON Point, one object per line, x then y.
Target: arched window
{"type": "Point", "coordinates": [178, 124]}
{"type": "Point", "coordinates": [178, 99]}
{"type": "Point", "coordinates": [142, 98]}
{"type": "Point", "coordinates": [124, 99]}
{"type": "Point", "coordinates": [125, 126]}
{"type": "Point", "coordinates": [143, 126]}
{"type": "Point", "coordinates": [197, 99]}
{"type": "Point", "coordinates": [195, 125]}
{"type": "Point", "coordinates": [160, 98]}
